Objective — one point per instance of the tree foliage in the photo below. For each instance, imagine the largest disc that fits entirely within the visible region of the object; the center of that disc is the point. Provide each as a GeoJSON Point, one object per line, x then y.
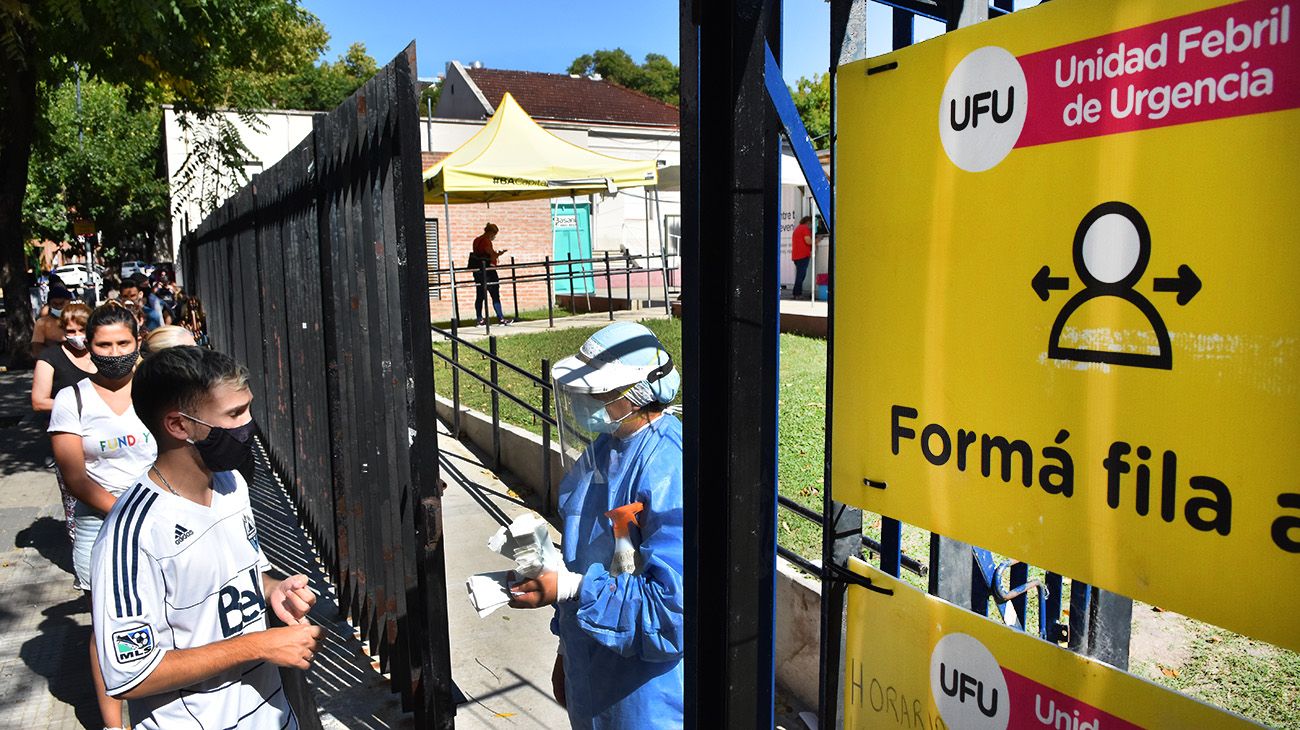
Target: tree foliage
{"type": "Point", "coordinates": [658, 76]}
{"type": "Point", "coordinates": [199, 55]}
{"type": "Point", "coordinates": [812, 97]}
{"type": "Point", "coordinates": [101, 160]}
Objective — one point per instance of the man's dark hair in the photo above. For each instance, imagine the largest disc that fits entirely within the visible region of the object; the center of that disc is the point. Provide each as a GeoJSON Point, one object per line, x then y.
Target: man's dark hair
{"type": "Point", "coordinates": [181, 378]}
{"type": "Point", "coordinates": [805, 219]}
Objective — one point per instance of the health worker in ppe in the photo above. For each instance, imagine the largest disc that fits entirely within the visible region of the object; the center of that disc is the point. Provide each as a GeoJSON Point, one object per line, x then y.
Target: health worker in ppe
{"type": "Point", "coordinates": [618, 602]}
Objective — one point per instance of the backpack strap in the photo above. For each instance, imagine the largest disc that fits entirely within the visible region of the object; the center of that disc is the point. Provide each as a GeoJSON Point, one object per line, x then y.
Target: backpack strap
{"type": "Point", "coordinates": [76, 390]}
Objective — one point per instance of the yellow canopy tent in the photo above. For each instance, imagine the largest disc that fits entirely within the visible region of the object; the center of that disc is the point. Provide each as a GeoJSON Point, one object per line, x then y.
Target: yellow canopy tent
{"type": "Point", "coordinates": [512, 158]}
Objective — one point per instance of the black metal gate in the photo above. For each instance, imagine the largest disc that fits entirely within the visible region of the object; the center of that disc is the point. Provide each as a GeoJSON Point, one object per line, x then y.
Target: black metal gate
{"type": "Point", "coordinates": [315, 276]}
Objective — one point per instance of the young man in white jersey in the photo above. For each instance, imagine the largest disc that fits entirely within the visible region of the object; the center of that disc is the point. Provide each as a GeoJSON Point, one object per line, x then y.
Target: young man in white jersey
{"type": "Point", "coordinates": [181, 598]}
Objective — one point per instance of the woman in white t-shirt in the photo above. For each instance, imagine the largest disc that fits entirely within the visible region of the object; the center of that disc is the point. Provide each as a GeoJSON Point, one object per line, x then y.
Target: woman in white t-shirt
{"type": "Point", "coordinates": [101, 447]}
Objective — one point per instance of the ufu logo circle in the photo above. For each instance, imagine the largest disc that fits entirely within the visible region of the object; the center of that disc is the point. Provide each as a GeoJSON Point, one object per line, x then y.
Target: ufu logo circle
{"type": "Point", "coordinates": [983, 109]}
{"type": "Point", "coordinates": [968, 685]}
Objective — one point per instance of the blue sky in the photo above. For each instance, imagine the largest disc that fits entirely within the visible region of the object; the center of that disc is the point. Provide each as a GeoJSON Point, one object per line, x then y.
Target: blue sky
{"type": "Point", "coordinates": [546, 35]}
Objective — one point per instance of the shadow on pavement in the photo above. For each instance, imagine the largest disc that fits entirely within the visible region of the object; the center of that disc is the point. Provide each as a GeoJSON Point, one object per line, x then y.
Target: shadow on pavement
{"type": "Point", "coordinates": [342, 681]}
{"type": "Point", "coordinates": [49, 538]}
{"type": "Point", "coordinates": [61, 654]}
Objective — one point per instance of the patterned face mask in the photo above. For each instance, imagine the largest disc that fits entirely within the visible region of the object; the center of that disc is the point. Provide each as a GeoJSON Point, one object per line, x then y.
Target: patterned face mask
{"type": "Point", "coordinates": [115, 367]}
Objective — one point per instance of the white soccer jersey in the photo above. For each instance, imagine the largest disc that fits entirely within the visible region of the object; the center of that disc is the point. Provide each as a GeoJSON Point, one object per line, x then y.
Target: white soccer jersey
{"type": "Point", "coordinates": [171, 574]}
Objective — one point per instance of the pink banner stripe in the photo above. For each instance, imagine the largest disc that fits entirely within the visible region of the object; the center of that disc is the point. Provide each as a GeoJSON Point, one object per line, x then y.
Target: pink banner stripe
{"type": "Point", "coordinates": [1223, 62]}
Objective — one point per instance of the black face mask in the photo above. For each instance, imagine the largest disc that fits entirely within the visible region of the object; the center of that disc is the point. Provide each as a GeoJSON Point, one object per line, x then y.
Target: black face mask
{"type": "Point", "coordinates": [115, 367]}
{"type": "Point", "coordinates": [225, 449]}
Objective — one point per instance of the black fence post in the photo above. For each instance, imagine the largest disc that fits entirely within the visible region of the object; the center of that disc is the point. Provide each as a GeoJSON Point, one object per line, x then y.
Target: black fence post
{"type": "Point", "coordinates": [496, 404]}
{"type": "Point", "coordinates": [455, 380]}
{"type": "Point", "coordinates": [550, 298]}
{"type": "Point", "coordinates": [609, 290]}
{"type": "Point", "coordinates": [514, 286]}
{"type": "Point", "coordinates": [627, 277]}
{"type": "Point", "coordinates": [455, 304]}
{"type": "Point", "coordinates": [547, 395]}
{"type": "Point", "coordinates": [481, 289]}
{"type": "Point", "coordinates": [572, 299]}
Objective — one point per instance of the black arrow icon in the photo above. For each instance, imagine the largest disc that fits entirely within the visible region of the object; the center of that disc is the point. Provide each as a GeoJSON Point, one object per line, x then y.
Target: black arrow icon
{"type": "Point", "coordinates": [1044, 283]}
{"type": "Point", "coordinates": [1187, 284]}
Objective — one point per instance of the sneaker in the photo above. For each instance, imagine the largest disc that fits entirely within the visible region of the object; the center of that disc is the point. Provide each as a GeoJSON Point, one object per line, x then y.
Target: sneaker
{"type": "Point", "coordinates": [505, 321]}
{"type": "Point", "coordinates": [481, 321]}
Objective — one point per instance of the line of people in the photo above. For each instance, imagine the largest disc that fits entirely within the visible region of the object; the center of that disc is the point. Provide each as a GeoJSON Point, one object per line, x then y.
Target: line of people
{"type": "Point", "coordinates": [150, 434]}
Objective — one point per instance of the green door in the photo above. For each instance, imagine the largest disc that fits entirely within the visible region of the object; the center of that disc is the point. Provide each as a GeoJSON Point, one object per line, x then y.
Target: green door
{"type": "Point", "coordinates": [571, 229]}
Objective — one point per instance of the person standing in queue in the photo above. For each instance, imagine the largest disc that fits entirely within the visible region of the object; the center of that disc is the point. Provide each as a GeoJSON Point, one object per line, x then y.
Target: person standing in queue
{"type": "Point", "coordinates": [619, 616]}
{"type": "Point", "coordinates": [482, 261]}
{"type": "Point", "coordinates": [48, 330]}
{"type": "Point", "coordinates": [100, 447]}
{"type": "Point", "coordinates": [182, 614]}
{"type": "Point", "coordinates": [801, 252]}
{"type": "Point", "coordinates": [57, 368]}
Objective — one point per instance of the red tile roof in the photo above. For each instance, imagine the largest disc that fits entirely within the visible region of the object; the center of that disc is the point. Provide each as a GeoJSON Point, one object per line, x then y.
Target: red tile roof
{"type": "Point", "coordinates": [563, 97]}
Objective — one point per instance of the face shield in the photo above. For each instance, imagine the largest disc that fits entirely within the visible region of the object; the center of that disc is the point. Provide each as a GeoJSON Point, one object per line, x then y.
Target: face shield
{"type": "Point", "coordinates": [622, 366]}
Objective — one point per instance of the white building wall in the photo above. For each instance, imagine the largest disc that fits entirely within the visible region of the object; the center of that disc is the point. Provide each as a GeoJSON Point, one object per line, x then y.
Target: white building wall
{"type": "Point", "coordinates": [273, 135]}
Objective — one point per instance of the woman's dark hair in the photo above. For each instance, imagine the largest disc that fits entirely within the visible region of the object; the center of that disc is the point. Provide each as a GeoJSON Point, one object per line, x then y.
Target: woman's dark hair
{"type": "Point", "coordinates": [110, 313]}
{"type": "Point", "coordinates": [805, 219]}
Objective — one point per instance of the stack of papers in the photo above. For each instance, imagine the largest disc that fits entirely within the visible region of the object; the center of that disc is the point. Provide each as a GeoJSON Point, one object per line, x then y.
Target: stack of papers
{"type": "Point", "coordinates": [489, 591]}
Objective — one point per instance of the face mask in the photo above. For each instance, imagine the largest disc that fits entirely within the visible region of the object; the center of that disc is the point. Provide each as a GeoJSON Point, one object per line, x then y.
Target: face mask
{"type": "Point", "coordinates": [115, 367]}
{"type": "Point", "coordinates": [76, 342]}
{"type": "Point", "coordinates": [224, 449]}
{"type": "Point", "coordinates": [593, 415]}
{"type": "Point", "coordinates": [56, 312]}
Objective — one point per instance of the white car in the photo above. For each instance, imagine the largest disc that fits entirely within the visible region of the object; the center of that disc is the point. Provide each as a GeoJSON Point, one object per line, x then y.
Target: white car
{"type": "Point", "coordinates": [77, 275]}
{"type": "Point", "coordinates": [132, 267]}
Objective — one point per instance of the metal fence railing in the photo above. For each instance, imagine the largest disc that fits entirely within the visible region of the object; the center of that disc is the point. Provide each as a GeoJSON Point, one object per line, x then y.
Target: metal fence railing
{"type": "Point", "coordinates": [315, 277]}
{"type": "Point", "coordinates": [574, 273]}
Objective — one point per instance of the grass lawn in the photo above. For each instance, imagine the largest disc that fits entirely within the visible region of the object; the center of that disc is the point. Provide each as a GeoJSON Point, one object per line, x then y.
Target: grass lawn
{"type": "Point", "coordinates": [1254, 679]}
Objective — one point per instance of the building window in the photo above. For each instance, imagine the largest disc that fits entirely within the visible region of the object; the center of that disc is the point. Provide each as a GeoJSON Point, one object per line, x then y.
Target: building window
{"type": "Point", "coordinates": [431, 251]}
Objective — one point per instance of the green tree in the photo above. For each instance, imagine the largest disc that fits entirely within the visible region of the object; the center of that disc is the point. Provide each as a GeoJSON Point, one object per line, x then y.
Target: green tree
{"type": "Point", "coordinates": [101, 160]}
{"type": "Point", "coordinates": [196, 55]}
{"type": "Point", "coordinates": [812, 97]}
{"type": "Point", "coordinates": [318, 86]}
{"type": "Point", "coordinates": [657, 76]}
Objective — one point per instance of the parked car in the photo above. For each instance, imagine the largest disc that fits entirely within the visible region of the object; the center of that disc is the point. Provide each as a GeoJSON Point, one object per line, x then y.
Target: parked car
{"type": "Point", "coordinates": [133, 267]}
{"type": "Point", "coordinates": [77, 276]}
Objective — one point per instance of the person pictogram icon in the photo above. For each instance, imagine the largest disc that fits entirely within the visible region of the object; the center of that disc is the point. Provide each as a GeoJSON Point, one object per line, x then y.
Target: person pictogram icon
{"type": "Point", "coordinates": [1112, 247]}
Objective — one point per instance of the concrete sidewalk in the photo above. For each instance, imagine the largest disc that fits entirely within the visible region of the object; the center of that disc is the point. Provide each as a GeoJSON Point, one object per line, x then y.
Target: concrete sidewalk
{"type": "Point", "coordinates": [44, 622]}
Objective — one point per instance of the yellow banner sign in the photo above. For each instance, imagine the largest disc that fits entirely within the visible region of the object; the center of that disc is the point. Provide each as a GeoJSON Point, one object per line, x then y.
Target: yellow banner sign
{"type": "Point", "coordinates": [915, 661]}
{"type": "Point", "coordinates": [1068, 315]}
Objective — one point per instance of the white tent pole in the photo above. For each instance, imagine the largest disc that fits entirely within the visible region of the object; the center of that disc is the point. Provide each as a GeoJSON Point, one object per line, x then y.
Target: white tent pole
{"type": "Point", "coordinates": [663, 250]}
{"type": "Point", "coordinates": [451, 263]}
{"type": "Point", "coordinates": [645, 198]}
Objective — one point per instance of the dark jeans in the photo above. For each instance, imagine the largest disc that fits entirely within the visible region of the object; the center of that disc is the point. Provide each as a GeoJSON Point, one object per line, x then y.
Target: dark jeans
{"type": "Point", "coordinates": [800, 271]}
{"type": "Point", "coordinates": [486, 283]}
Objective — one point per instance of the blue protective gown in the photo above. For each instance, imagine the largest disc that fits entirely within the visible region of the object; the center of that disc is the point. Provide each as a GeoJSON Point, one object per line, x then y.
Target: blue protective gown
{"type": "Point", "coordinates": [622, 637]}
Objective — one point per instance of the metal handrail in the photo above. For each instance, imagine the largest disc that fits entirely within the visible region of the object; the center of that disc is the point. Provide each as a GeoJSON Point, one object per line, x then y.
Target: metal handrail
{"type": "Point", "coordinates": [500, 361]}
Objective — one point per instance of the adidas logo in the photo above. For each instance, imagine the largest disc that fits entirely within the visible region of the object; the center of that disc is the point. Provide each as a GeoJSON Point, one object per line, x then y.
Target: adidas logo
{"type": "Point", "coordinates": [182, 533]}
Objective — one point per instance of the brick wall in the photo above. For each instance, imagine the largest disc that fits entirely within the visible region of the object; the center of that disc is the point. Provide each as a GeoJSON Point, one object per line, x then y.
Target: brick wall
{"type": "Point", "coordinates": [525, 230]}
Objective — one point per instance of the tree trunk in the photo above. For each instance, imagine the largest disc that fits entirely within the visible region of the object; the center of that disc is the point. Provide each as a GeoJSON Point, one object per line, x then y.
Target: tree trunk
{"type": "Point", "coordinates": [17, 129]}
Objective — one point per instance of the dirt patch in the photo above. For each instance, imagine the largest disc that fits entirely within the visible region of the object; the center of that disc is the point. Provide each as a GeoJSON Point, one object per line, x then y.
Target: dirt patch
{"type": "Point", "coordinates": [1163, 641]}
